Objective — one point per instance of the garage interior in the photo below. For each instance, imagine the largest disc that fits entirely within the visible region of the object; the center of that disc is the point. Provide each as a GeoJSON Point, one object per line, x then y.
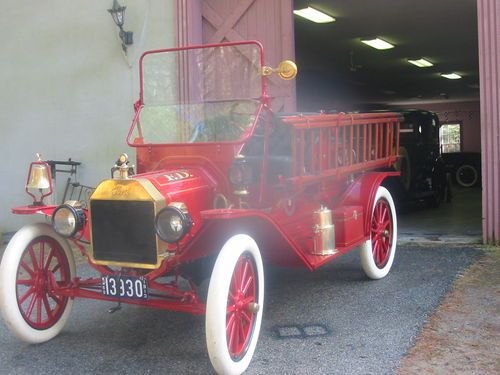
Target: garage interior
{"type": "Point", "coordinates": [339, 72]}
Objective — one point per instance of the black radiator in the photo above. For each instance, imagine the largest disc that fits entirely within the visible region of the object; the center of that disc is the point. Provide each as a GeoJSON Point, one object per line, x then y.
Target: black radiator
{"type": "Point", "coordinates": [123, 231]}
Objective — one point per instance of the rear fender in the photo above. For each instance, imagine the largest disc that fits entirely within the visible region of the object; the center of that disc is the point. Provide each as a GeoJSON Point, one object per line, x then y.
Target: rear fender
{"type": "Point", "coordinates": [362, 193]}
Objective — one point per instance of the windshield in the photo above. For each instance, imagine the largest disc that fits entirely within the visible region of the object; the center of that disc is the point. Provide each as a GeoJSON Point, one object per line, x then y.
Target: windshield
{"type": "Point", "coordinates": [204, 94]}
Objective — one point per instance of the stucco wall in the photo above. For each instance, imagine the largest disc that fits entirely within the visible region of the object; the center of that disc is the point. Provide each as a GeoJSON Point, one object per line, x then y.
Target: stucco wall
{"type": "Point", "coordinates": [67, 89]}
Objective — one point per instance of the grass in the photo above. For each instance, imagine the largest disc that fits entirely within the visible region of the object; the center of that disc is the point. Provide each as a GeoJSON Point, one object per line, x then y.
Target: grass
{"type": "Point", "coordinates": [486, 271]}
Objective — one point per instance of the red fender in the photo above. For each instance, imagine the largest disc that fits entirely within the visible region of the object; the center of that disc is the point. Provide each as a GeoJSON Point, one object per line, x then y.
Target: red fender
{"type": "Point", "coordinates": [362, 193]}
{"type": "Point", "coordinates": [276, 246]}
{"type": "Point", "coordinates": [48, 211]}
{"type": "Point", "coordinates": [32, 210]}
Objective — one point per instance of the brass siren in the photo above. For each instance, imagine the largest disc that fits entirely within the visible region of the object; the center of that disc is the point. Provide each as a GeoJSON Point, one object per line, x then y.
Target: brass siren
{"type": "Point", "coordinates": [122, 169]}
{"type": "Point", "coordinates": [286, 69]}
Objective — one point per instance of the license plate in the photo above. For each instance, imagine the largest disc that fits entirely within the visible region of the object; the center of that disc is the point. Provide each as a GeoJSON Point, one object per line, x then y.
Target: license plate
{"type": "Point", "coordinates": [125, 287]}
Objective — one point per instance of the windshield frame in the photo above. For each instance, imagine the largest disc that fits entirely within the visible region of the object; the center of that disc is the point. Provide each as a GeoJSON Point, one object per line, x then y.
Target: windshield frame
{"type": "Point", "coordinates": [139, 105]}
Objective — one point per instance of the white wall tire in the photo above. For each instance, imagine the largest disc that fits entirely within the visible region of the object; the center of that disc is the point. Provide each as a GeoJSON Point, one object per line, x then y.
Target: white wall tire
{"type": "Point", "coordinates": [377, 253]}
{"type": "Point", "coordinates": [33, 259]}
{"type": "Point", "coordinates": [238, 270]}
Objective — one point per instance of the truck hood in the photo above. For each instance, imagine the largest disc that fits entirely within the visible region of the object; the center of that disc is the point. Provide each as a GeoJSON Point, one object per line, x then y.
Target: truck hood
{"type": "Point", "coordinates": [192, 186]}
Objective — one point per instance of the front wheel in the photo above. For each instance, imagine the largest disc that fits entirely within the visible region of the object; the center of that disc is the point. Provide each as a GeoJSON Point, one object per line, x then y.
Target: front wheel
{"type": "Point", "coordinates": [234, 305]}
{"type": "Point", "coordinates": [377, 253]}
{"type": "Point", "coordinates": [36, 260]}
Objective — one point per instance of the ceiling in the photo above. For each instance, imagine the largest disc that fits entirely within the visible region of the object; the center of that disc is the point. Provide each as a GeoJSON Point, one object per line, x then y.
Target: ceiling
{"type": "Point", "coordinates": [337, 70]}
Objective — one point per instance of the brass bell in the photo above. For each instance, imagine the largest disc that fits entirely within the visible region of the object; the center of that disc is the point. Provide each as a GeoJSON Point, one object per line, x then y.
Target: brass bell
{"type": "Point", "coordinates": [39, 177]}
{"type": "Point", "coordinates": [39, 182]}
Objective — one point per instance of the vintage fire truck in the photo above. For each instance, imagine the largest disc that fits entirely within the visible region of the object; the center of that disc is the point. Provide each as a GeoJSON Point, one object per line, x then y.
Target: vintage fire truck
{"type": "Point", "coordinates": [221, 184]}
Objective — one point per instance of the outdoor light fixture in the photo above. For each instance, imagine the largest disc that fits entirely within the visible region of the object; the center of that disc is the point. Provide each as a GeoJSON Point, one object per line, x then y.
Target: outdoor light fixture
{"type": "Point", "coordinates": [451, 76]}
{"type": "Point", "coordinates": [377, 43]}
{"type": "Point", "coordinates": [314, 15]}
{"type": "Point", "coordinates": [421, 63]}
{"type": "Point", "coordinates": [118, 14]}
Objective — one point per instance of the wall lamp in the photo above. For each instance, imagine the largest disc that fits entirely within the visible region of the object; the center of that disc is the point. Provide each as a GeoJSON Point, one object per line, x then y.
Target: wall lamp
{"type": "Point", "coordinates": [118, 14]}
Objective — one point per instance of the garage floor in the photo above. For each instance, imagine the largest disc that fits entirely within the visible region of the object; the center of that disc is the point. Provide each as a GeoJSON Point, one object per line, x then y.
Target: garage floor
{"type": "Point", "coordinates": [456, 222]}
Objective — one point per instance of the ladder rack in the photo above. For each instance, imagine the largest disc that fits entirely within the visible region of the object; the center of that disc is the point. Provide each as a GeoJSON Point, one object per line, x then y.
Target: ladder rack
{"type": "Point", "coordinates": [326, 145]}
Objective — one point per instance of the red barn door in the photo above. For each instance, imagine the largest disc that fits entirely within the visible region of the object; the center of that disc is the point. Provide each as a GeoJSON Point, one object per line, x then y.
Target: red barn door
{"type": "Point", "coordinates": [269, 22]}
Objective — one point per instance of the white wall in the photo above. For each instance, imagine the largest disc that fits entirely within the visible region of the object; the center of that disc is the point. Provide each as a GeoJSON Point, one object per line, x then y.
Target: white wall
{"type": "Point", "coordinates": [66, 88]}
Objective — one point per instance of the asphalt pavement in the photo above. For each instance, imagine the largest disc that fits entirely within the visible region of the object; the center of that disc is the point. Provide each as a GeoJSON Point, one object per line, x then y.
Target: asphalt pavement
{"type": "Point", "coordinates": [332, 321]}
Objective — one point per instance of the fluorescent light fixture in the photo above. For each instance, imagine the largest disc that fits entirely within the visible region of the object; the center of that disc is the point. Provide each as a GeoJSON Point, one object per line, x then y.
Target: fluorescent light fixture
{"type": "Point", "coordinates": [421, 63]}
{"type": "Point", "coordinates": [451, 76]}
{"type": "Point", "coordinates": [314, 15]}
{"type": "Point", "coordinates": [377, 43]}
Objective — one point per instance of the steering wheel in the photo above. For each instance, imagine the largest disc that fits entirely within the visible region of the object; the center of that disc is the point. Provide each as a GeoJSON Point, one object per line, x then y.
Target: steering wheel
{"type": "Point", "coordinates": [199, 131]}
{"type": "Point", "coordinates": [238, 112]}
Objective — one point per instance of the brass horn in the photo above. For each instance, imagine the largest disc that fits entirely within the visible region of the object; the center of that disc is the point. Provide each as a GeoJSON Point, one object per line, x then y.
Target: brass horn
{"type": "Point", "coordinates": [286, 69]}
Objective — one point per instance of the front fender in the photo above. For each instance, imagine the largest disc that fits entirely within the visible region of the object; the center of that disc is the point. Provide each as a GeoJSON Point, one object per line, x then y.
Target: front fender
{"type": "Point", "coordinates": [48, 211]}
{"type": "Point", "coordinates": [33, 210]}
{"type": "Point", "coordinates": [220, 224]}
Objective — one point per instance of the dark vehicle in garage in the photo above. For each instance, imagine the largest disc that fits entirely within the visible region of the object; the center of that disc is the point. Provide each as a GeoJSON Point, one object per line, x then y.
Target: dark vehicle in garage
{"type": "Point", "coordinates": [423, 172]}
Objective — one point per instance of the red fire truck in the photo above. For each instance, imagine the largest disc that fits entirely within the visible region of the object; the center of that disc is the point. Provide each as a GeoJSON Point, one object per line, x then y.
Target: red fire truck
{"type": "Point", "coordinates": [221, 184]}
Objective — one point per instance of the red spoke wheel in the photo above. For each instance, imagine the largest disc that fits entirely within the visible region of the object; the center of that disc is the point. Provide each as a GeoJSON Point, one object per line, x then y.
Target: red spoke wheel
{"type": "Point", "coordinates": [36, 262]}
{"type": "Point", "coordinates": [234, 305]}
{"type": "Point", "coordinates": [377, 253]}
{"type": "Point", "coordinates": [241, 300]}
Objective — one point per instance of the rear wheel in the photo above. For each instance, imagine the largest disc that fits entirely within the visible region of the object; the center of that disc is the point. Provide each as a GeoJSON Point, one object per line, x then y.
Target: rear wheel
{"type": "Point", "coordinates": [466, 175]}
{"type": "Point", "coordinates": [377, 253]}
{"type": "Point", "coordinates": [234, 305]}
{"type": "Point", "coordinates": [36, 260]}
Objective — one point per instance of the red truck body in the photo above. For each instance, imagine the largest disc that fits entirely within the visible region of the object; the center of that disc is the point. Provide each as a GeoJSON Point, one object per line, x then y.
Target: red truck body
{"type": "Point", "coordinates": [299, 189]}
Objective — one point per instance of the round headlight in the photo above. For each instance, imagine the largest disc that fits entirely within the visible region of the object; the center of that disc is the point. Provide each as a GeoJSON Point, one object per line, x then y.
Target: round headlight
{"type": "Point", "coordinates": [67, 220]}
{"type": "Point", "coordinates": [172, 223]}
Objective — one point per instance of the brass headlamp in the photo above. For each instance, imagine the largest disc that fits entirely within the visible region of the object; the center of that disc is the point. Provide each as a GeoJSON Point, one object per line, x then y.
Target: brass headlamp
{"type": "Point", "coordinates": [240, 175]}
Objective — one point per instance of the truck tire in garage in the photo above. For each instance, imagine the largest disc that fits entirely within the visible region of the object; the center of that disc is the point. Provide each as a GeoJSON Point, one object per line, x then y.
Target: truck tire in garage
{"type": "Point", "coordinates": [466, 175]}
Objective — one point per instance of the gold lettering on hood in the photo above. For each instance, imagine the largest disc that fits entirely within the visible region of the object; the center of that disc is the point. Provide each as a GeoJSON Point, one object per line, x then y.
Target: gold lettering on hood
{"type": "Point", "coordinates": [178, 175]}
{"type": "Point", "coordinates": [120, 191]}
